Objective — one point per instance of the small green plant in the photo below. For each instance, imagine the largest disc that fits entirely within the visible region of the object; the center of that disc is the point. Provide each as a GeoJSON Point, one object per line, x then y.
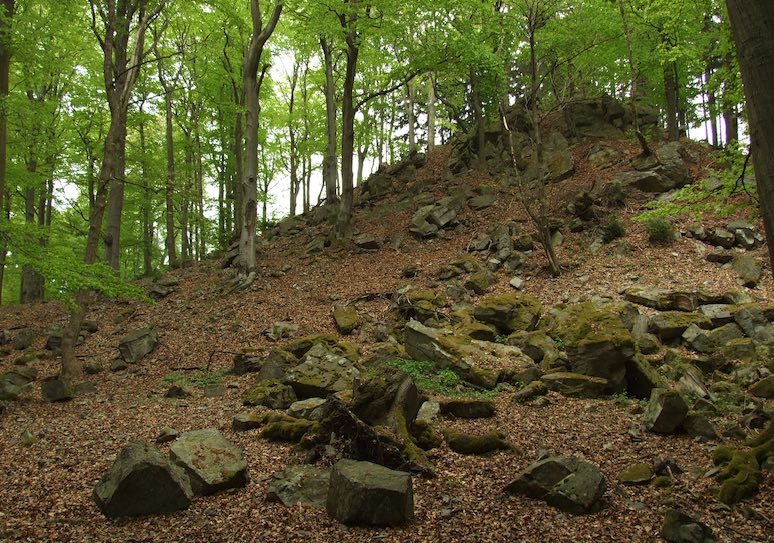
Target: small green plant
{"type": "Point", "coordinates": [660, 230]}
{"type": "Point", "coordinates": [428, 377]}
{"type": "Point", "coordinates": [198, 378]}
{"type": "Point", "coordinates": [614, 229]}
{"type": "Point", "coordinates": [501, 339]}
{"type": "Point", "coordinates": [622, 400]}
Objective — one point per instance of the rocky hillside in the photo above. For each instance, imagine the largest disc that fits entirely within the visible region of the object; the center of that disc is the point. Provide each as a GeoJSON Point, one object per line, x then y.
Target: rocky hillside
{"type": "Point", "coordinates": [429, 379]}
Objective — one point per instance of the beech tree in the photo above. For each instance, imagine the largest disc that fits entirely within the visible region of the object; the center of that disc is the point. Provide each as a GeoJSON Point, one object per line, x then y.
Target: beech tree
{"type": "Point", "coordinates": [752, 22]}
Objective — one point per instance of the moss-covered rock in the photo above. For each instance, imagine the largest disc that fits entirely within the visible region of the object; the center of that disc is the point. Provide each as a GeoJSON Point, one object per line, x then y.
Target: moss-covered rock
{"type": "Point", "coordinates": [741, 473]}
{"type": "Point", "coordinates": [671, 324]}
{"type": "Point", "coordinates": [636, 474]}
{"type": "Point", "coordinates": [463, 265]}
{"type": "Point", "coordinates": [576, 385]}
{"type": "Point", "coordinates": [346, 318]}
{"type": "Point", "coordinates": [480, 282]}
{"type": "Point", "coordinates": [476, 330]}
{"type": "Point", "coordinates": [596, 341]}
{"type": "Point", "coordinates": [468, 408]}
{"type": "Point", "coordinates": [510, 312]}
{"type": "Point", "coordinates": [270, 393]}
{"type": "Point", "coordinates": [424, 436]}
{"type": "Point", "coordinates": [537, 345]}
{"type": "Point", "coordinates": [530, 392]}
{"type": "Point", "coordinates": [288, 429]}
{"type": "Point", "coordinates": [463, 443]}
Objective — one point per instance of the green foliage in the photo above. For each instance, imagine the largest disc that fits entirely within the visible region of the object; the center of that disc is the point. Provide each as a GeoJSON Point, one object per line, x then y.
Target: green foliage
{"type": "Point", "coordinates": [501, 339]}
{"type": "Point", "coordinates": [660, 230]}
{"type": "Point", "coordinates": [198, 378]}
{"type": "Point", "coordinates": [441, 381]}
{"type": "Point", "coordinates": [613, 229]}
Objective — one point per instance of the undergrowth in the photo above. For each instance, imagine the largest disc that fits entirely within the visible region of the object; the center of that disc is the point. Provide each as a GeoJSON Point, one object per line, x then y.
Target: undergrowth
{"type": "Point", "coordinates": [428, 377]}
{"type": "Point", "coordinates": [198, 378]}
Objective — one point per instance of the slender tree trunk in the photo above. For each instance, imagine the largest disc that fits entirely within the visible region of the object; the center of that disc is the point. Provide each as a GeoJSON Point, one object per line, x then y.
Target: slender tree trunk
{"type": "Point", "coordinates": [147, 202]}
{"type": "Point", "coordinates": [410, 118]}
{"type": "Point", "coordinates": [712, 107]}
{"type": "Point", "coordinates": [752, 23]}
{"type": "Point", "coordinates": [6, 12]}
{"type": "Point", "coordinates": [116, 200]}
{"type": "Point", "coordinates": [478, 113]}
{"type": "Point", "coordinates": [670, 93]}
{"type": "Point", "coordinates": [731, 121]}
{"type": "Point", "coordinates": [344, 224]}
{"type": "Point", "coordinates": [260, 35]}
{"type": "Point", "coordinates": [330, 170]}
{"type": "Point", "coordinates": [430, 113]}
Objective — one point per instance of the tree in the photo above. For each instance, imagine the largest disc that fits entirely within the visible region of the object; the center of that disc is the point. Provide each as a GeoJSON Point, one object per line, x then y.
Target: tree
{"type": "Point", "coordinates": [752, 23]}
{"type": "Point", "coordinates": [260, 36]}
{"type": "Point", "coordinates": [6, 15]}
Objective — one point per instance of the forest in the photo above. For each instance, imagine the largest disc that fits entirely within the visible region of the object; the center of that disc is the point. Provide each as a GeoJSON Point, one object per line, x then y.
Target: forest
{"type": "Point", "coordinates": [350, 270]}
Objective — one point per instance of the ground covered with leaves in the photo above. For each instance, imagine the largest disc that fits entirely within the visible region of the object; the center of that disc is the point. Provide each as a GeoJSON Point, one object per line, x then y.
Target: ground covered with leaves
{"type": "Point", "coordinates": [51, 455]}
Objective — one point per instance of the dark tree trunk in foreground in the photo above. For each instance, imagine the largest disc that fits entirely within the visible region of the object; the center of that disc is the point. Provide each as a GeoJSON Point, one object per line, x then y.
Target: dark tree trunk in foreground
{"type": "Point", "coordinates": [752, 22]}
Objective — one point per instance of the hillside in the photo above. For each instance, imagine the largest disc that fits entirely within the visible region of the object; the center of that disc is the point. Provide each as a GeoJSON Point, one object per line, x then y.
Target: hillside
{"type": "Point", "coordinates": [54, 453]}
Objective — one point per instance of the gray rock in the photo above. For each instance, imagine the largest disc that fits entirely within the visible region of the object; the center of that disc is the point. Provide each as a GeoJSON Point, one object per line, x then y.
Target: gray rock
{"type": "Point", "coordinates": [428, 412]}
{"type": "Point", "coordinates": [214, 390]}
{"type": "Point", "coordinates": [281, 330]}
{"type": "Point", "coordinates": [56, 390]}
{"type": "Point", "coordinates": [321, 373]}
{"type": "Point", "coordinates": [309, 409]}
{"type": "Point", "coordinates": [211, 461]}
{"type": "Point", "coordinates": [665, 411]}
{"type": "Point", "coordinates": [719, 314]}
{"type": "Point", "coordinates": [8, 391]}
{"type": "Point", "coordinates": [647, 181]}
{"type": "Point", "coordinates": [24, 339]}
{"type": "Point", "coordinates": [754, 324]}
{"type": "Point", "coordinates": [517, 283]}
{"type": "Point", "coordinates": [142, 482]}
{"type": "Point", "coordinates": [763, 388]}
{"type": "Point", "coordinates": [672, 164]}
{"type": "Point", "coordinates": [302, 484]}
{"type": "Point", "coordinates": [671, 324]}
{"type": "Point", "coordinates": [722, 238]}
{"type": "Point", "coordinates": [467, 408]}
{"type": "Point", "coordinates": [271, 393]}
{"type": "Point", "coordinates": [567, 483]}
{"type": "Point", "coordinates": [366, 242]}
{"type": "Point", "coordinates": [482, 201]}
{"type": "Point", "coordinates": [346, 318]}
{"type": "Point", "coordinates": [362, 493]}
{"type": "Point", "coordinates": [699, 426]}
{"type": "Point", "coordinates": [680, 528]}
{"type": "Point", "coordinates": [576, 385]}
{"type": "Point", "coordinates": [138, 344]}
{"type": "Point", "coordinates": [244, 422]}
{"type": "Point", "coordinates": [749, 270]}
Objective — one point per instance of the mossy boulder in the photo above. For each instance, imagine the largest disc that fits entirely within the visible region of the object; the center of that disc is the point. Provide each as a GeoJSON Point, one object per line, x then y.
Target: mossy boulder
{"type": "Point", "coordinates": [576, 385]}
{"type": "Point", "coordinates": [322, 372]}
{"type": "Point", "coordinates": [466, 264]}
{"type": "Point", "coordinates": [346, 318]}
{"type": "Point", "coordinates": [596, 341]}
{"type": "Point", "coordinates": [424, 436]}
{"type": "Point", "coordinates": [480, 282]}
{"type": "Point", "coordinates": [763, 388]}
{"type": "Point", "coordinates": [270, 393]}
{"type": "Point", "coordinates": [282, 427]}
{"type": "Point", "coordinates": [530, 392]}
{"type": "Point", "coordinates": [671, 324]}
{"type": "Point", "coordinates": [468, 408]}
{"type": "Point", "coordinates": [510, 312]}
{"type": "Point", "coordinates": [477, 330]}
{"type": "Point", "coordinates": [636, 474]}
{"type": "Point", "coordinates": [463, 443]}
{"type": "Point", "coordinates": [537, 345]}
{"type": "Point", "coordinates": [741, 473]}
{"type": "Point", "coordinates": [300, 346]}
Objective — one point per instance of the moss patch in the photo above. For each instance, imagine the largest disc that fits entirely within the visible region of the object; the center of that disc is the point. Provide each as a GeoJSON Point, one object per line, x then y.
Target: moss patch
{"type": "Point", "coordinates": [476, 444]}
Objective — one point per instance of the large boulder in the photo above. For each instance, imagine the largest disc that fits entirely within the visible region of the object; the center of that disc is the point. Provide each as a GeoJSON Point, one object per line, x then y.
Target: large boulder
{"type": "Point", "coordinates": [302, 484]}
{"type": "Point", "coordinates": [346, 318]}
{"type": "Point", "coordinates": [680, 528]}
{"type": "Point", "coordinates": [270, 393]}
{"type": "Point", "coordinates": [576, 385]}
{"type": "Point", "coordinates": [321, 373]}
{"type": "Point", "coordinates": [212, 462]}
{"type": "Point", "coordinates": [510, 312]}
{"type": "Point", "coordinates": [362, 493]}
{"type": "Point", "coordinates": [565, 482]}
{"type": "Point", "coordinates": [671, 324]}
{"type": "Point", "coordinates": [142, 481]}
{"type": "Point", "coordinates": [671, 163]}
{"type": "Point", "coordinates": [596, 341]}
{"type": "Point", "coordinates": [56, 390]}
{"type": "Point", "coordinates": [665, 412]}
{"type": "Point", "coordinates": [647, 181]}
{"type": "Point", "coordinates": [388, 398]}
{"type": "Point", "coordinates": [137, 344]}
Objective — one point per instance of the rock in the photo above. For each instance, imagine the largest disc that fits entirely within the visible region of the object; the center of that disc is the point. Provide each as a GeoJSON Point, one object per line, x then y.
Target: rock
{"type": "Point", "coordinates": [463, 443]}
{"type": "Point", "coordinates": [530, 392]}
{"type": "Point", "coordinates": [636, 474]}
{"type": "Point", "coordinates": [428, 412]}
{"type": "Point", "coordinates": [362, 493]}
{"type": "Point", "coordinates": [176, 391]}
{"type": "Point", "coordinates": [719, 314]}
{"type": "Point", "coordinates": [680, 528]}
{"type": "Point", "coordinates": [661, 299]}
{"type": "Point", "coordinates": [468, 408]}
{"type": "Point", "coordinates": [576, 385]}
{"type": "Point", "coordinates": [603, 156]}
{"type": "Point", "coordinates": [346, 318]}
{"type": "Point", "coordinates": [271, 393]}
{"type": "Point", "coordinates": [20, 376]}
{"type": "Point", "coordinates": [366, 242]}
{"type": "Point", "coordinates": [281, 330]}
{"type": "Point", "coordinates": [388, 398]}
{"type": "Point", "coordinates": [559, 165]}
{"type": "Point", "coordinates": [510, 312]}
{"type": "Point", "coordinates": [517, 283]}
{"type": "Point", "coordinates": [647, 181]}
{"type": "Point", "coordinates": [244, 422]}
{"type": "Point", "coordinates": [118, 365]}
{"type": "Point", "coordinates": [214, 390]}
{"type": "Point", "coordinates": [665, 411]}
{"type": "Point", "coordinates": [749, 270]}
{"type": "Point", "coordinates": [212, 462]}
{"type": "Point", "coordinates": [754, 324]}
{"type": "Point", "coordinates": [671, 324]}
{"type": "Point", "coordinates": [722, 238]}
{"type": "Point", "coordinates": [720, 256]}
{"type": "Point", "coordinates": [300, 485]}
{"type": "Point", "coordinates": [9, 391]}
{"type": "Point", "coordinates": [316, 245]}
{"type": "Point", "coordinates": [641, 377]}
{"type": "Point", "coordinates": [763, 388]}
{"type": "Point", "coordinates": [85, 388]}
{"type": "Point", "coordinates": [420, 224]}
{"type": "Point", "coordinates": [142, 482]}
{"type": "Point", "coordinates": [482, 201]}
{"type": "Point", "coordinates": [56, 390]}
{"type": "Point", "coordinates": [671, 163]}
{"type": "Point", "coordinates": [137, 344]}
{"type": "Point", "coordinates": [480, 282]}
{"type": "Point", "coordinates": [322, 372]}
{"type": "Point", "coordinates": [567, 483]}
{"type": "Point", "coordinates": [699, 426]}
{"type": "Point", "coordinates": [24, 339]}
{"type": "Point", "coordinates": [166, 435]}
{"type": "Point", "coordinates": [309, 409]}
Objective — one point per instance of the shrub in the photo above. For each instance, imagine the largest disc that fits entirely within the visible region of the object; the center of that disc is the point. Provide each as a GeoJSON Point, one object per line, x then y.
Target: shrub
{"type": "Point", "coordinates": [660, 230]}
{"type": "Point", "coordinates": [614, 229]}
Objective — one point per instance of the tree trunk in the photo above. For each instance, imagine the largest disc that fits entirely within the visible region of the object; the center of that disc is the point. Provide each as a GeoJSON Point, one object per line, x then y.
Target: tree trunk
{"type": "Point", "coordinates": [752, 23]}
{"type": "Point", "coordinates": [330, 171]}
{"type": "Point", "coordinates": [410, 118]}
{"type": "Point", "coordinates": [260, 35]}
{"type": "Point", "coordinates": [478, 114]}
{"type": "Point", "coordinates": [147, 203]}
{"type": "Point", "coordinates": [731, 121]}
{"type": "Point", "coordinates": [670, 93]}
{"type": "Point", "coordinates": [6, 14]}
{"type": "Point", "coordinates": [430, 113]}
{"type": "Point", "coordinates": [344, 223]}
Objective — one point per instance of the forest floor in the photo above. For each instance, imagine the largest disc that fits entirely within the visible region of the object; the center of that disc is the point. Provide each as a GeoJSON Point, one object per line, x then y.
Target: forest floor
{"type": "Point", "coordinates": [45, 488]}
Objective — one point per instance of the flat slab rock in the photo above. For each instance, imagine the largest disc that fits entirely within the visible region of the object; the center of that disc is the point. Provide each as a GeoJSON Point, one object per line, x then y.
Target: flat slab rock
{"type": "Point", "coordinates": [565, 482]}
{"type": "Point", "coordinates": [141, 482]}
{"type": "Point", "coordinates": [302, 484]}
{"type": "Point", "coordinates": [211, 461]}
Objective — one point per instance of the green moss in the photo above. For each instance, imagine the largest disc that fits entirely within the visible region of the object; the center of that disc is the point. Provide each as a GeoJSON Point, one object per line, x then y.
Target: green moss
{"type": "Point", "coordinates": [476, 444]}
{"type": "Point", "coordinates": [477, 330]}
{"type": "Point", "coordinates": [424, 436]}
{"type": "Point", "coordinates": [741, 473]}
{"type": "Point", "coordinates": [287, 428]}
{"type": "Point", "coordinates": [636, 474]}
{"type": "Point", "coordinates": [663, 481]}
{"type": "Point", "coordinates": [588, 323]}
{"type": "Point", "coordinates": [197, 378]}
